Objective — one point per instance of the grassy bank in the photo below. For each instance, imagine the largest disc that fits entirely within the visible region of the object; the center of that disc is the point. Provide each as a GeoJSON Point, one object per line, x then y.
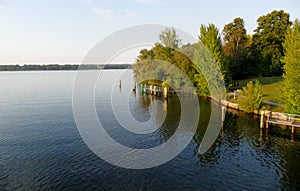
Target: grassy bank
{"type": "Point", "coordinates": [270, 86]}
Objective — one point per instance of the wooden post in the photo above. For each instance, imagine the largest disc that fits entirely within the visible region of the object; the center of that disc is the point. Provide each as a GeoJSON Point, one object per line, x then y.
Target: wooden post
{"type": "Point", "coordinates": [151, 91]}
{"type": "Point", "coordinates": [293, 129]}
{"type": "Point", "coordinates": [165, 92]}
{"type": "Point", "coordinates": [223, 113]}
{"type": "Point", "coordinates": [119, 83]}
{"type": "Point", "coordinates": [233, 94]}
{"type": "Point", "coordinates": [262, 113]}
{"type": "Point", "coordinates": [154, 89]}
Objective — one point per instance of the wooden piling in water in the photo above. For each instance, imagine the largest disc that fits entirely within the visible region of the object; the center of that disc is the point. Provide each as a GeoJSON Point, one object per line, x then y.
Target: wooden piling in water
{"type": "Point", "coordinates": [262, 114]}
{"type": "Point", "coordinates": [223, 113]}
{"type": "Point", "coordinates": [165, 92]}
{"type": "Point", "coordinates": [151, 90]}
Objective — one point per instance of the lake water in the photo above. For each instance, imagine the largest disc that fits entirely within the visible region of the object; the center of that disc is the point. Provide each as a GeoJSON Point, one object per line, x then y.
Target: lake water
{"type": "Point", "coordinates": [41, 148]}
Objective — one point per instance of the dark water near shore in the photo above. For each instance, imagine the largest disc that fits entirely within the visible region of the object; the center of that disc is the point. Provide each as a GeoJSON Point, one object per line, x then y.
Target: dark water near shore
{"type": "Point", "coordinates": [41, 149]}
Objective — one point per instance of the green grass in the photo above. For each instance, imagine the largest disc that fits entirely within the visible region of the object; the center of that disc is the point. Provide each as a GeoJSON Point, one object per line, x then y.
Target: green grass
{"type": "Point", "coordinates": [272, 89]}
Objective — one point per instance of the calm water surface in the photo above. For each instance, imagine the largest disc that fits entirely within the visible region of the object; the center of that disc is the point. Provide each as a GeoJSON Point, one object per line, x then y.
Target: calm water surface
{"type": "Point", "coordinates": [41, 149]}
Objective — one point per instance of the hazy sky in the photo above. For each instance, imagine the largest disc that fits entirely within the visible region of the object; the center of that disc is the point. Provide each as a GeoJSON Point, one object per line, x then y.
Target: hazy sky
{"type": "Point", "coordinates": [63, 31]}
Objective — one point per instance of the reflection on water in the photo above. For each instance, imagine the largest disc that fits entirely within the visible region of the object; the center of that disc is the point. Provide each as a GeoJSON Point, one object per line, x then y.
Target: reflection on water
{"type": "Point", "coordinates": [40, 147]}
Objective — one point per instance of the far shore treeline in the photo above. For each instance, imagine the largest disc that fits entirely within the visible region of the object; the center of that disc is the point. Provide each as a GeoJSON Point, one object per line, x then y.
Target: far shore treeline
{"type": "Point", "coordinates": [63, 67]}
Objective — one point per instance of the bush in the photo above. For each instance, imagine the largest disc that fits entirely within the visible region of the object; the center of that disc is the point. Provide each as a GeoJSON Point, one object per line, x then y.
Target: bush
{"type": "Point", "coordinates": [251, 97]}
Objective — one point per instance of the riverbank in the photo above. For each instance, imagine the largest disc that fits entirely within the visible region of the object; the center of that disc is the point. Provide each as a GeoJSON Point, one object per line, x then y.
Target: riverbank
{"type": "Point", "coordinates": [267, 117]}
{"type": "Point", "coordinates": [271, 88]}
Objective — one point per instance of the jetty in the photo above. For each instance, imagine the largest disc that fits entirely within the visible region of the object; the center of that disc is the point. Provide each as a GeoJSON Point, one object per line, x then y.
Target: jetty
{"type": "Point", "coordinates": [164, 91]}
{"type": "Point", "coordinates": [271, 118]}
{"type": "Point", "coordinates": [281, 119]}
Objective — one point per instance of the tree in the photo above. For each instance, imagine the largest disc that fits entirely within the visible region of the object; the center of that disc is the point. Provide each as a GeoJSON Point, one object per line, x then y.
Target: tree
{"type": "Point", "coordinates": [235, 34]}
{"type": "Point", "coordinates": [251, 97]}
{"type": "Point", "coordinates": [267, 47]}
{"type": "Point", "coordinates": [188, 50]}
{"type": "Point", "coordinates": [291, 93]}
{"type": "Point", "coordinates": [151, 63]}
{"type": "Point", "coordinates": [170, 38]}
{"type": "Point", "coordinates": [235, 47]}
{"type": "Point", "coordinates": [210, 38]}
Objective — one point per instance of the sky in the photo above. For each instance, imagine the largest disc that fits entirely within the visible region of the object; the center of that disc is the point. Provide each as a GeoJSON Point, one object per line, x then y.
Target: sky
{"type": "Point", "coordinates": [64, 31]}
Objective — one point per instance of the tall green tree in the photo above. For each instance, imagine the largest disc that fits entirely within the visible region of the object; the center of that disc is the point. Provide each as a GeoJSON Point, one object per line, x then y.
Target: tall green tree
{"type": "Point", "coordinates": [291, 75]}
{"type": "Point", "coordinates": [235, 47]}
{"type": "Point", "coordinates": [211, 39]}
{"type": "Point", "coordinates": [210, 62]}
{"type": "Point", "coordinates": [267, 49]}
{"type": "Point", "coordinates": [169, 38]}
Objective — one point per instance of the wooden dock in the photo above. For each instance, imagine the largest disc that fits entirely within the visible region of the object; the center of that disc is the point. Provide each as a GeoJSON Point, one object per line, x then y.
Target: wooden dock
{"type": "Point", "coordinates": [164, 91]}
{"type": "Point", "coordinates": [281, 119]}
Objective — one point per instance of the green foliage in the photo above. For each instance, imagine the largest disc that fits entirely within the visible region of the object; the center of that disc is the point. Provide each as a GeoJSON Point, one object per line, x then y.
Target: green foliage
{"type": "Point", "coordinates": [236, 43]}
{"type": "Point", "coordinates": [267, 50]}
{"type": "Point", "coordinates": [270, 86]}
{"type": "Point", "coordinates": [235, 33]}
{"type": "Point", "coordinates": [207, 71]}
{"type": "Point", "coordinates": [150, 63]}
{"type": "Point", "coordinates": [169, 38]}
{"type": "Point", "coordinates": [291, 93]}
{"type": "Point", "coordinates": [210, 38]}
{"type": "Point", "coordinates": [239, 56]}
{"type": "Point", "coordinates": [251, 97]}
{"type": "Point", "coordinates": [189, 49]}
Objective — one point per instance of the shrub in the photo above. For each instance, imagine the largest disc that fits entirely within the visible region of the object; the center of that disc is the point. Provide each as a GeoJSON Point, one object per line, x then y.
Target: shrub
{"type": "Point", "coordinates": [251, 97]}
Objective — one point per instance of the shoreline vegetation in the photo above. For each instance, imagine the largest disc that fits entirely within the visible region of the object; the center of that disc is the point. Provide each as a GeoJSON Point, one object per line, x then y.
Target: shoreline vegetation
{"type": "Point", "coordinates": [260, 71]}
{"type": "Point", "coordinates": [267, 117]}
{"type": "Point", "coordinates": [271, 88]}
{"type": "Point", "coordinates": [56, 67]}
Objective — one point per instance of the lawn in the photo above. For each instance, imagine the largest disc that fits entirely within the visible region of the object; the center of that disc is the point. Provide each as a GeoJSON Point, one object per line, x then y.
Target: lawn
{"type": "Point", "coordinates": [271, 87]}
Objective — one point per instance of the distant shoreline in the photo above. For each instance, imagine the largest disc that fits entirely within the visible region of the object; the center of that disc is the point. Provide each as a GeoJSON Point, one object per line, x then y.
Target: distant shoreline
{"type": "Point", "coordinates": [66, 67]}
